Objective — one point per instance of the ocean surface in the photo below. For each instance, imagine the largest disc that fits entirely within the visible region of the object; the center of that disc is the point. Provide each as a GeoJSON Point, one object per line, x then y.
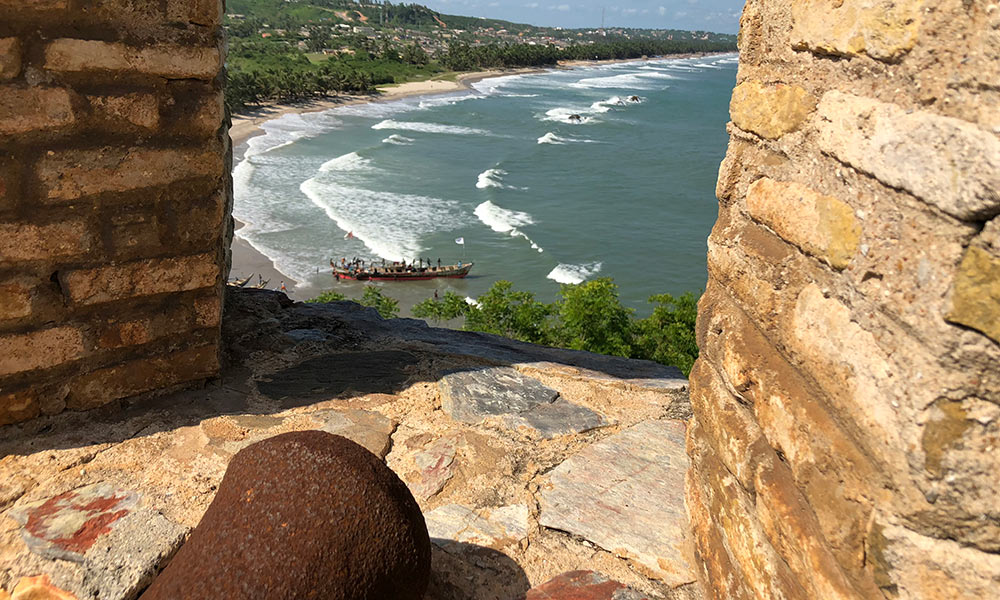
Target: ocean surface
{"type": "Point", "coordinates": [626, 191]}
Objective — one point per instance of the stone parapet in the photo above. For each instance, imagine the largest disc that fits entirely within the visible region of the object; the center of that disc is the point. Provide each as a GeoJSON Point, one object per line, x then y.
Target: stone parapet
{"type": "Point", "coordinates": [847, 397]}
{"type": "Point", "coordinates": [114, 173]}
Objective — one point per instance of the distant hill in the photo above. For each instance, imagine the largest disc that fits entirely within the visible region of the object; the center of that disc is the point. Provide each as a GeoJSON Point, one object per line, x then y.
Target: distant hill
{"type": "Point", "coordinates": [289, 13]}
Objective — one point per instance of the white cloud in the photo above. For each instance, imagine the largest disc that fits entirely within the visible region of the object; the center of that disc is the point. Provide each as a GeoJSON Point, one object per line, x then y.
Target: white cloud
{"type": "Point", "coordinates": [662, 10]}
{"type": "Point", "coordinates": [563, 7]}
{"type": "Point", "coordinates": [531, 5]}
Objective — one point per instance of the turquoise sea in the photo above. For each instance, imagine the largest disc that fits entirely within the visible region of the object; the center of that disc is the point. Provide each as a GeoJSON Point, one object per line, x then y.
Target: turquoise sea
{"type": "Point", "coordinates": [626, 191]}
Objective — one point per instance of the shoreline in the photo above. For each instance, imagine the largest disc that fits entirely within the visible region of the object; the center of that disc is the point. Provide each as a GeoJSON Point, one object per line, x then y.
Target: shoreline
{"type": "Point", "coordinates": [247, 260]}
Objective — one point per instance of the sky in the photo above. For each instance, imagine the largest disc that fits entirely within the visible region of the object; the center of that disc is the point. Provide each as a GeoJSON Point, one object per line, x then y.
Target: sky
{"type": "Point", "coordinates": [721, 16]}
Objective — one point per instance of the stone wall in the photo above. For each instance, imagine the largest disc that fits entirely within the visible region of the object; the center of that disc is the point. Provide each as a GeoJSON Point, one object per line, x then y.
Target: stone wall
{"type": "Point", "coordinates": [114, 200]}
{"type": "Point", "coordinates": [846, 441]}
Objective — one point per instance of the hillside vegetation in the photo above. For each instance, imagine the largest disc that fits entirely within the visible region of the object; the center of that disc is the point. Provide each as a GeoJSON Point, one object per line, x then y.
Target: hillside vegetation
{"type": "Point", "coordinates": [287, 50]}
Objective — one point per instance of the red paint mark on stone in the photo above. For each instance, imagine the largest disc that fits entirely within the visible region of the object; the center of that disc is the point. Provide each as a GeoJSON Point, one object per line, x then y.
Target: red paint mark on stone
{"type": "Point", "coordinates": [39, 520]}
{"type": "Point", "coordinates": [87, 534]}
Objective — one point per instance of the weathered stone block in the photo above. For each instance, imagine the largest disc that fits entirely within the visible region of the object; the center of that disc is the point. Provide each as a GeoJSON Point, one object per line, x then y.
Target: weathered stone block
{"type": "Point", "coordinates": [70, 175]}
{"type": "Point", "coordinates": [791, 526]}
{"type": "Point", "coordinates": [20, 242]}
{"type": "Point", "coordinates": [976, 296]}
{"type": "Point", "coordinates": [946, 162]}
{"type": "Point", "coordinates": [199, 12]}
{"type": "Point", "coordinates": [141, 278]}
{"type": "Point", "coordinates": [770, 111]}
{"type": "Point", "coordinates": [839, 482]}
{"type": "Point", "coordinates": [39, 588]}
{"type": "Point", "coordinates": [140, 110]}
{"type": "Point", "coordinates": [35, 4]}
{"type": "Point", "coordinates": [472, 396]}
{"type": "Point", "coordinates": [26, 109]}
{"type": "Point", "coordinates": [921, 567]}
{"type": "Point", "coordinates": [730, 508]}
{"type": "Point", "coordinates": [820, 225]}
{"type": "Point", "coordinates": [165, 60]}
{"type": "Point", "coordinates": [208, 311]}
{"type": "Point", "coordinates": [729, 426]}
{"type": "Point", "coordinates": [138, 376]}
{"type": "Point", "coordinates": [882, 29]}
{"type": "Point", "coordinates": [15, 300]}
{"type": "Point", "coordinates": [718, 573]}
{"type": "Point", "coordinates": [491, 527]}
{"type": "Point", "coordinates": [640, 482]}
{"type": "Point", "coordinates": [10, 58]}
{"type": "Point", "coordinates": [40, 349]}
{"type": "Point", "coordinates": [18, 406]}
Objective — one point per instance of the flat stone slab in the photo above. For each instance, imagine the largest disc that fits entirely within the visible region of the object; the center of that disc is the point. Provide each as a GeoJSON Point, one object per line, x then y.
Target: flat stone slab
{"type": "Point", "coordinates": [626, 494]}
{"type": "Point", "coordinates": [472, 396]}
{"type": "Point", "coordinates": [327, 376]}
{"type": "Point", "coordinates": [493, 527]}
{"type": "Point", "coordinates": [67, 525]}
{"type": "Point", "coordinates": [582, 585]}
{"type": "Point", "coordinates": [92, 542]}
{"type": "Point", "coordinates": [552, 420]}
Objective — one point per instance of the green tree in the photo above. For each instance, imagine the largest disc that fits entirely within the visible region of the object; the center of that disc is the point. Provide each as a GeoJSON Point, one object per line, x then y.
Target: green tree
{"type": "Point", "coordinates": [451, 306]}
{"type": "Point", "coordinates": [374, 298]}
{"type": "Point", "coordinates": [510, 313]}
{"type": "Point", "coordinates": [592, 318]}
{"type": "Point", "coordinates": [328, 296]}
{"type": "Point", "coordinates": [668, 335]}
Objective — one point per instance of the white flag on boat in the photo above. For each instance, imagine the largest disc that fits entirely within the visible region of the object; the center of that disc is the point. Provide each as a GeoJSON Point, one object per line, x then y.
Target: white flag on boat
{"type": "Point", "coordinates": [460, 240]}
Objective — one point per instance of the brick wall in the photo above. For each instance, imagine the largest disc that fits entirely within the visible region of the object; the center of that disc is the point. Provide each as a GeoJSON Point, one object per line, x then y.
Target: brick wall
{"type": "Point", "coordinates": [114, 200]}
{"type": "Point", "coordinates": [846, 441]}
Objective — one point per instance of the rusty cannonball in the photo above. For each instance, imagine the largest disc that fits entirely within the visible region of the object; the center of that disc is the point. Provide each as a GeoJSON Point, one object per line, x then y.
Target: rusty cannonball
{"type": "Point", "coordinates": [303, 515]}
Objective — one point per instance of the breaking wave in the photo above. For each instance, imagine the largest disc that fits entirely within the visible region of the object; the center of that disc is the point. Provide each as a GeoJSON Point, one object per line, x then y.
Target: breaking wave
{"type": "Point", "coordinates": [507, 221]}
{"type": "Point", "coordinates": [574, 274]}
{"type": "Point", "coordinates": [348, 162]}
{"type": "Point", "coordinates": [428, 127]}
{"type": "Point", "coordinates": [398, 140]}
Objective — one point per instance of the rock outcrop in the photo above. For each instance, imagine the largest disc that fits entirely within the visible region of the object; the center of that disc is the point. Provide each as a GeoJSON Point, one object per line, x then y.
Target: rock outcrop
{"type": "Point", "coordinates": [478, 482]}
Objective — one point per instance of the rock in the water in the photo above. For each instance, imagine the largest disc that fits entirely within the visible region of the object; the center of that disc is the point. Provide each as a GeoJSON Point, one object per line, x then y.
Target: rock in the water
{"type": "Point", "coordinates": [487, 527]}
{"type": "Point", "coordinates": [626, 494]}
{"type": "Point", "coordinates": [66, 526]}
{"type": "Point", "coordinates": [552, 420]}
{"type": "Point", "coordinates": [582, 585]}
{"type": "Point", "coordinates": [303, 515]}
{"type": "Point", "coordinates": [471, 396]}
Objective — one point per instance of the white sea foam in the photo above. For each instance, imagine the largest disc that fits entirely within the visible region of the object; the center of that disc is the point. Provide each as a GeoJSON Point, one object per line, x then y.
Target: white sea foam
{"type": "Point", "coordinates": [552, 138]}
{"type": "Point", "coordinates": [288, 129]}
{"type": "Point", "coordinates": [491, 178]}
{"type": "Point", "coordinates": [436, 101]}
{"type": "Point", "coordinates": [506, 221]}
{"type": "Point", "coordinates": [562, 115]}
{"type": "Point", "coordinates": [390, 225]}
{"type": "Point", "coordinates": [574, 274]}
{"type": "Point", "coordinates": [625, 81]}
{"type": "Point", "coordinates": [351, 161]}
{"type": "Point", "coordinates": [500, 219]}
{"type": "Point", "coordinates": [398, 140]}
{"type": "Point", "coordinates": [428, 127]}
